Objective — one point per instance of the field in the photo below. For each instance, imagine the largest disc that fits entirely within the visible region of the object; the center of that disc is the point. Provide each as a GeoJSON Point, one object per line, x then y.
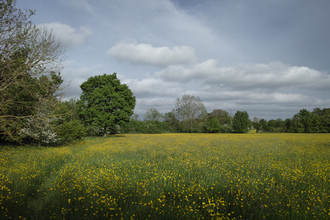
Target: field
{"type": "Point", "coordinates": [170, 176]}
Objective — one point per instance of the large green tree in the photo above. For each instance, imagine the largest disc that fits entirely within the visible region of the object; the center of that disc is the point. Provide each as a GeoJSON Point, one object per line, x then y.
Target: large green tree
{"type": "Point", "coordinates": [105, 104]}
{"type": "Point", "coordinates": [309, 121]}
{"type": "Point", "coordinates": [241, 122]}
{"type": "Point", "coordinates": [29, 66]}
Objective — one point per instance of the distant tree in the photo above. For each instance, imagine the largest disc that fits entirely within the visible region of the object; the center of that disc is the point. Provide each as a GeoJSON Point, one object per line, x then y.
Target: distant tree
{"type": "Point", "coordinates": [324, 119]}
{"type": "Point", "coordinates": [152, 114]}
{"type": "Point", "coordinates": [191, 112]}
{"type": "Point", "coordinates": [241, 122]}
{"type": "Point", "coordinates": [255, 123]}
{"type": "Point", "coordinates": [271, 125]}
{"type": "Point", "coordinates": [263, 125]}
{"type": "Point", "coordinates": [309, 121]}
{"type": "Point", "coordinates": [288, 125]}
{"type": "Point", "coordinates": [296, 125]}
{"type": "Point", "coordinates": [135, 117]}
{"type": "Point", "coordinates": [213, 126]}
{"type": "Point", "coordinates": [280, 125]}
{"type": "Point", "coordinates": [221, 115]}
{"type": "Point", "coordinates": [172, 121]}
{"type": "Point", "coordinates": [105, 104]}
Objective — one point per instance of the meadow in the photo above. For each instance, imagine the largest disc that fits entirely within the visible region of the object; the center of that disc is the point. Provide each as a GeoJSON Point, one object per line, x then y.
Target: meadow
{"type": "Point", "coordinates": [170, 176]}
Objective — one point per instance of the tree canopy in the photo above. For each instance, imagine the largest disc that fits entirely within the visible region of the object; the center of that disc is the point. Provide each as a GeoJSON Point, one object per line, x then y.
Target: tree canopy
{"type": "Point", "coordinates": [105, 104]}
{"type": "Point", "coordinates": [213, 126]}
{"type": "Point", "coordinates": [29, 71]}
{"type": "Point", "coordinates": [241, 122]}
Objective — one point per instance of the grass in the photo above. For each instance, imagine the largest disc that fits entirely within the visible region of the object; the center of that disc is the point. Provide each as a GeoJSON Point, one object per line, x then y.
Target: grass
{"type": "Point", "coordinates": [170, 176]}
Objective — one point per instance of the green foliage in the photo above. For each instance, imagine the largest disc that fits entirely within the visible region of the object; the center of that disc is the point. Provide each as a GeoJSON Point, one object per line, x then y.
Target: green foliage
{"type": "Point", "coordinates": [324, 119]}
{"type": "Point", "coordinates": [213, 126]}
{"type": "Point", "coordinates": [241, 122]}
{"type": "Point", "coordinates": [221, 115]}
{"type": "Point", "coordinates": [173, 123]}
{"type": "Point", "coordinates": [148, 127]}
{"type": "Point", "coordinates": [263, 125]}
{"type": "Point", "coordinates": [305, 122]}
{"type": "Point", "coordinates": [68, 110]}
{"type": "Point", "coordinates": [105, 104]}
{"type": "Point", "coordinates": [29, 66]}
{"type": "Point", "coordinates": [256, 124]}
{"type": "Point", "coordinates": [70, 131]}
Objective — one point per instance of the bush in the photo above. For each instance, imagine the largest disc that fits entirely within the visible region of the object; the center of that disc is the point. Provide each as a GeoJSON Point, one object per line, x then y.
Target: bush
{"type": "Point", "coordinates": [148, 127]}
{"type": "Point", "coordinates": [213, 126]}
{"type": "Point", "coordinates": [71, 131]}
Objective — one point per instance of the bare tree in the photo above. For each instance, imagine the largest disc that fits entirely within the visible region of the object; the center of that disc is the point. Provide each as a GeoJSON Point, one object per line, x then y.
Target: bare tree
{"type": "Point", "coordinates": [152, 114]}
{"type": "Point", "coordinates": [135, 117]}
{"type": "Point", "coordinates": [191, 111]}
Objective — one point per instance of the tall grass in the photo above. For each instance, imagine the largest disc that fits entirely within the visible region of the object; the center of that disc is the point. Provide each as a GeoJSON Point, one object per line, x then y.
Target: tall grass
{"type": "Point", "coordinates": [170, 176]}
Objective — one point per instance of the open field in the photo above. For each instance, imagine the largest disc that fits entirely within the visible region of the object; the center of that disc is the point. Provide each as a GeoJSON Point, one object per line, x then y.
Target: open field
{"type": "Point", "coordinates": [170, 176]}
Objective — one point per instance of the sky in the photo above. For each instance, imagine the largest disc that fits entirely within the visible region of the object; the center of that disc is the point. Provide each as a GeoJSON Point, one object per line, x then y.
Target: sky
{"type": "Point", "coordinates": [267, 57]}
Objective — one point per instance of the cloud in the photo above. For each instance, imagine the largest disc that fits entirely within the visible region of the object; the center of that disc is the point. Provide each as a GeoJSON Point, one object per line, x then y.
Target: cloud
{"type": "Point", "coordinates": [149, 55]}
{"type": "Point", "coordinates": [69, 36]}
{"type": "Point", "coordinates": [152, 87]}
{"type": "Point", "coordinates": [257, 102]}
{"type": "Point", "coordinates": [249, 76]}
{"type": "Point", "coordinates": [73, 78]}
{"type": "Point", "coordinates": [213, 93]}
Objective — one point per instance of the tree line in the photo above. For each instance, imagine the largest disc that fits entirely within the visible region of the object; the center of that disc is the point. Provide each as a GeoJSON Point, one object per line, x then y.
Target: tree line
{"type": "Point", "coordinates": [189, 116]}
{"type": "Point", "coordinates": [221, 121]}
{"type": "Point", "coordinates": [317, 121]}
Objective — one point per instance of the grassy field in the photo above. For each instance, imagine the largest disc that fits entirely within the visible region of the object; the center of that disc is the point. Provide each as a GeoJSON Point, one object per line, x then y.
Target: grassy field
{"type": "Point", "coordinates": [170, 176]}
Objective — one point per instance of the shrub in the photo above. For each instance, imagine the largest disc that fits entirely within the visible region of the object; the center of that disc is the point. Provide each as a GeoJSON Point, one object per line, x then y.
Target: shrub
{"type": "Point", "coordinates": [72, 130]}
{"type": "Point", "coordinates": [213, 126]}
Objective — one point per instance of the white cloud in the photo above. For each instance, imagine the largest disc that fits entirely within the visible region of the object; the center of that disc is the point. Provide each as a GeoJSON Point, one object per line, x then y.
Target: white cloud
{"type": "Point", "coordinates": [246, 76]}
{"type": "Point", "coordinates": [69, 36]}
{"type": "Point", "coordinates": [75, 77]}
{"type": "Point", "coordinates": [215, 98]}
{"type": "Point", "coordinates": [149, 55]}
{"type": "Point", "coordinates": [152, 87]}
